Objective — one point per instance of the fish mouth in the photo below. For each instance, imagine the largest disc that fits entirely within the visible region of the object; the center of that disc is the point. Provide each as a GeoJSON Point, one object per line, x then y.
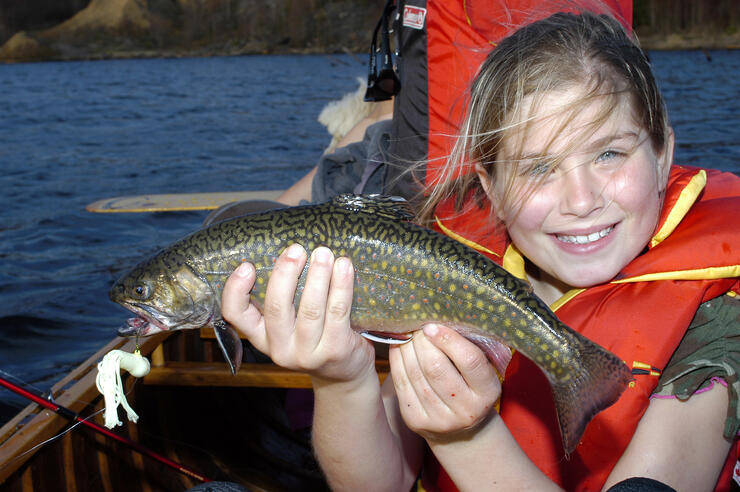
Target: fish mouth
{"type": "Point", "coordinates": [146, 322]}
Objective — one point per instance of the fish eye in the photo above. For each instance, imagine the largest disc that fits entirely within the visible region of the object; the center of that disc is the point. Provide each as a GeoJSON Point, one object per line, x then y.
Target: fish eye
{"type": "Point", "coordinates": [141, 291]}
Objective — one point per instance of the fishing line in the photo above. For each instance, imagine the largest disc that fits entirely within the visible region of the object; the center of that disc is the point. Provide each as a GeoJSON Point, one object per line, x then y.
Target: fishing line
{"type": "Point", "coordinates": [51, 439]}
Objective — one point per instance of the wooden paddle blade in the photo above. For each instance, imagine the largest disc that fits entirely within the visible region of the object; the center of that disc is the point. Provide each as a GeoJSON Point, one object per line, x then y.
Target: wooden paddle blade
{"type": "Point", "coordinates": [176, 202]}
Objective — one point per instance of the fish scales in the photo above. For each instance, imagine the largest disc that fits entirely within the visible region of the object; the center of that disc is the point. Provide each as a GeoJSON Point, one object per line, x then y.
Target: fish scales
{"type": "Point", "coordinates": [405, 276]}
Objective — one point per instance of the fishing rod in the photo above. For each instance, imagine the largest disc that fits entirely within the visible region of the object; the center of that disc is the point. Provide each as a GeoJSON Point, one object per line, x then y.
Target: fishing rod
{"type": "Point", "coordinates": [75, 417]}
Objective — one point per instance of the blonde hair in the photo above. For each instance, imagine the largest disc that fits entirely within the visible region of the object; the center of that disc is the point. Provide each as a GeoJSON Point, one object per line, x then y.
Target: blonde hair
{"type": "Point", "coordinates": [556, 53]}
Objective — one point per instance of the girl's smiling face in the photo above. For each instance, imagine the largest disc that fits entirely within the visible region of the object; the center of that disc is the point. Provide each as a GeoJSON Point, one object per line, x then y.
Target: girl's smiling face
{"type": "Point", "coordinates": [582, 202]}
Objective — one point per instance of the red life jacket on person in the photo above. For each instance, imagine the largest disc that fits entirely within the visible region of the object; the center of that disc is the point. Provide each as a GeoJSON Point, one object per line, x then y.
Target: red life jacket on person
{"type": "Point", "coordinates": [641, 316]}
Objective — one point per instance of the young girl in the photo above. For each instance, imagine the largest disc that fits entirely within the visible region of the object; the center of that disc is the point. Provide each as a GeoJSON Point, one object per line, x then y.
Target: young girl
{"type": "Point", "coordinates": [563, 173]}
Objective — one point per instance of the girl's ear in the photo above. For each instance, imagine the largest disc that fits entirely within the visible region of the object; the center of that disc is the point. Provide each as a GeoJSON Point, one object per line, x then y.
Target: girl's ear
{"type": "Point", "coordinates": [484, 177]}
{"type": "Point", "coordinates": [486, 183]}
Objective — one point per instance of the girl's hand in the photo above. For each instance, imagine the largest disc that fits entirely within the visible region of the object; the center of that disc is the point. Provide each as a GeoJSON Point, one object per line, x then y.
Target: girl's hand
{"type": "Point", "coordinates": [317, 338]}
{"type": "Point", "coordinates": [446, 387]}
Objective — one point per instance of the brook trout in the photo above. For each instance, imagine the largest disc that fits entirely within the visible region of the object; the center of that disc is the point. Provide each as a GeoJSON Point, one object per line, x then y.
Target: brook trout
{"type": "Point", "coordinates": [405, 276]}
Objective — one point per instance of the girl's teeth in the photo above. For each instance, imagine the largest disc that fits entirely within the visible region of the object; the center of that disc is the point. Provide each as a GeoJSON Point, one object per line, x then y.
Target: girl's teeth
{"type": "Point", "coordinates": [594, 236]}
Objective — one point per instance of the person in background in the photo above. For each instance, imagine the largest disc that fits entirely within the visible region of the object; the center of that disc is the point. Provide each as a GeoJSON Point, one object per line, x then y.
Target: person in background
{"type": "Point", "coordinates": [563, 172]}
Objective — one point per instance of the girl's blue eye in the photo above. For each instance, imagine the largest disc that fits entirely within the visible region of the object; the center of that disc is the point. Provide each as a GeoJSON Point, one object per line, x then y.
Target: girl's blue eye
{"type": "Point", "coordinates": [535, 170]}
{"type": "Point", "coordinates": [609, 154]}
{"type": "Point", "coordinates": [539, 170]}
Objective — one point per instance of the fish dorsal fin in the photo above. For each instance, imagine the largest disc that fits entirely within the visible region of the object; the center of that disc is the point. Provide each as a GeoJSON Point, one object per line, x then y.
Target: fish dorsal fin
{"type": "Point", "coordinates": [392, 207]}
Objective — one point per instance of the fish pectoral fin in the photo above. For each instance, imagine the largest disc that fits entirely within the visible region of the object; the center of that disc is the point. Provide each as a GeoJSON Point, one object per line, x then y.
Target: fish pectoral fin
{"type": "Point", "coordinates": [231, 345]}
{"type": "Point", "coordinates": [387, 338]}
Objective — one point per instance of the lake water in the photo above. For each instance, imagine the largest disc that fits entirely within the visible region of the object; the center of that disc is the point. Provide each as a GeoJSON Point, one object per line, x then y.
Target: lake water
{"type": "Point", "coordinates": [75, 132]}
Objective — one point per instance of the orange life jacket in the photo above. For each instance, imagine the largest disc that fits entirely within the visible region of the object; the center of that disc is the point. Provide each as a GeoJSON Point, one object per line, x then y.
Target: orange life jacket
{"type": "Point", "coordinates": [641, 315]}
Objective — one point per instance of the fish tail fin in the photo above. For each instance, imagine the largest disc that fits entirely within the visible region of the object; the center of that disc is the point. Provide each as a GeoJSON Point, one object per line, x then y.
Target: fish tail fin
{"type": "Point", "coordinates": [593, 385]}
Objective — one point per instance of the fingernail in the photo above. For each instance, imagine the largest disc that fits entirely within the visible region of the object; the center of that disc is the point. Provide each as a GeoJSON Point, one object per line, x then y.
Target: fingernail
{"type": "Point", "coordinates": [321, 255]}
{"type": "Point", "coordinates": [431, 330]}
{"type": "Point", "coordinates": [343, 265]}
{"type": "Point", "coordinates": [294, 251]}
{"type": "Point", "coordinates": [244, 270]}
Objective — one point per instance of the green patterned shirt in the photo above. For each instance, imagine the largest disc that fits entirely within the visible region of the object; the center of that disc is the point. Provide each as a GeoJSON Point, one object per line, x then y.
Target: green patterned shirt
{"type": "Point", "coordinates": [708, 354]}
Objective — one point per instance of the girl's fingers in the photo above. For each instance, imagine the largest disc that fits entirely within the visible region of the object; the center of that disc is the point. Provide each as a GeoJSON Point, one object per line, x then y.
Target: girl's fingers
{"type": "Point", "coordinates": [311, 314]}
{"type": "Point", "coordinates": [408, 400]}
{"type": "Point", "coordinates": [440, 374]}
{"type": "Point", "coordinates": [236, 308]}
{"type": "Point", "coordinates": [278, 309]}
{"type": "Point", "coordinates": [339, 303]}
{"type": "Point", "coordinates": [470, 362]}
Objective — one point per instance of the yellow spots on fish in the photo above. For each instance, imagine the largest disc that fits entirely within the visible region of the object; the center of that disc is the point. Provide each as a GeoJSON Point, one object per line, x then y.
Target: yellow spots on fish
{"type": "Point", "coordinates": [416, 306]}
{"type": "Point", "coordinates": [523, 323]}
{"type": "Point", "coordinates": [543, 346]}
{"type": "Point", "coordinates": [501, 308]}
{"type": "Point", "coordinates": [342, 252]}
{"type": "Point", "coordinates": [479, 304]}
{"type": "Point", "coordinates": [384, 264]}
{"type": "Point", "coordinates": [480, 290]}
{"type": "Point", "coordinates": [391, 301]}
{"type": "Point", "coordinates": [483, 316]}
{"type": "Point", "coordinates": [365, 289]}
{"type": "Point", "coordinates": [452, 287]}
{"type": "Point", "coordinates": [556, 353]}
{"type": "Point", "coordinates": [260, 249]}
{"type": "Point", "coordinates": [519, 333]}
{"type": "Point", "coordinates": [437, 307]}
{"type": "Point", "coordinates": [412, 286]}
{"type": "Point", "coordinates": [260, 280]}
{"type": "Point", "coordinates": [372, 302]}
{"type": "Point", "coordinates": [507, 323]}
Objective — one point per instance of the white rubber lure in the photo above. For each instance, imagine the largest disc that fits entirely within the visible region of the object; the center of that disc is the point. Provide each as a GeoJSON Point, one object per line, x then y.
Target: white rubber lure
{"type": "Point", "coordinates": [109, 382]}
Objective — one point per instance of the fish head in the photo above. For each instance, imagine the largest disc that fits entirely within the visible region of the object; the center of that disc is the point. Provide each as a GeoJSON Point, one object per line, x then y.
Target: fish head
{"type": "Point", "coordinates": [165, 293]}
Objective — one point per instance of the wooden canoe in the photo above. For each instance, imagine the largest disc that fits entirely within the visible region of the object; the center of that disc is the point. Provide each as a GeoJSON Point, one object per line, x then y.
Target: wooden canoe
{"type": "Point", "coordinates": [191, 410]}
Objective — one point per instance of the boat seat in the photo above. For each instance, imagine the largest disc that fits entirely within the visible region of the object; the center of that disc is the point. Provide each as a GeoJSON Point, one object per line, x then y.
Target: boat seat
{"type": "Point", "coordinates": [265, 375]}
